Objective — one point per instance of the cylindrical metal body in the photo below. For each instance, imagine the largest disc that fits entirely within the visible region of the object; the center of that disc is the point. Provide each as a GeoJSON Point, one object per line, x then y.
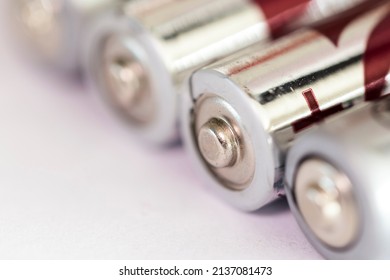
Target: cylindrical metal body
{"type": "Point", "coordinates": [142, 59]}
{"type": "Point", "coordinates": [357, 145]}
{"type": "Point", "coordinates": [265, 96]}
{"type": "Point", "coordinates": [56, 29]}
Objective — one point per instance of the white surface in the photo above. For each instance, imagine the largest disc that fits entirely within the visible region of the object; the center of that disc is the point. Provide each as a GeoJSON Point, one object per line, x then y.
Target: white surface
{"type": "Point", "coordinates": [74, 184]}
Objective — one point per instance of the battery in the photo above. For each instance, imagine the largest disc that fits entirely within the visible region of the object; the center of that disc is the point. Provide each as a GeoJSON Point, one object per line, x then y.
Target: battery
{"type": "Point", "coordinates": [244, 112]}
{"type": "Point", "coordinates": [337, 183]}
{"type": "Point", "coordinates": [55, 29]}
{"type": "Point", "coordinates": [141, 59]}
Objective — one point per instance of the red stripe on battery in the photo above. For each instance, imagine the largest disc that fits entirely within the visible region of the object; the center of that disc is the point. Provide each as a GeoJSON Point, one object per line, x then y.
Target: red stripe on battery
{"type": "Point", "coordinates": [312, 102]}
{"type": "Point", "coordinates": [275, 53]}
{"type": "Point", "coordinates": [377, 60]}
{"type": "Point", "coordinates": [317, 114]}
{"type": "Point", "coordinates": [279, 13]}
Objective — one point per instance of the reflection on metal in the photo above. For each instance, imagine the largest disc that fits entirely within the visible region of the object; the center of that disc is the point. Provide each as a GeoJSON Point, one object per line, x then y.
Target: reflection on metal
{"type": "Point", "coordinates": [324, 196]}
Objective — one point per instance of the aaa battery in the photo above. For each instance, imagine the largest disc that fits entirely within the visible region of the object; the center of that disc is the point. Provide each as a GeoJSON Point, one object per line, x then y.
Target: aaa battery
{"type": "Point", "coordinates": [337, 183]}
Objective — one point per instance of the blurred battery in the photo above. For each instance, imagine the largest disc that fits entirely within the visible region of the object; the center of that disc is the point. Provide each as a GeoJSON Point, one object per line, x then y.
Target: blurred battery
{"type": "Point", "coordinates": [141, 59]}
{"type": "Point", "coordinates": [55, 29]}
{"type": "Point", "coordinates": [338, 183]}
{"type": "Point", "coordinates": [244, 112]}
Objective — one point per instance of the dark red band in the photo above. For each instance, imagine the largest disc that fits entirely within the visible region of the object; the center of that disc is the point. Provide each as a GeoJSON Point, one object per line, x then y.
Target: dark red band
{"type": "Point", "coordinates": [316, 114]}
{"type": "Point", "coordinates": [377, 60]}
{"type": "Point", "coordinates": [280, 13]}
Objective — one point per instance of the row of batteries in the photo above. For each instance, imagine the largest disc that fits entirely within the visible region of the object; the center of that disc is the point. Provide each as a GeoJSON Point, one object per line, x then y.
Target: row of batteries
{"type": "Point", "coordinates": [270, 97]}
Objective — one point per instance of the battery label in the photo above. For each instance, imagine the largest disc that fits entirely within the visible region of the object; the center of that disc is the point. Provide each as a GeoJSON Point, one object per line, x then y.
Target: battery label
{"type": "Point", "coordinates": [376, 62]}
{"type": "Point", "coordinates": [280, 13]}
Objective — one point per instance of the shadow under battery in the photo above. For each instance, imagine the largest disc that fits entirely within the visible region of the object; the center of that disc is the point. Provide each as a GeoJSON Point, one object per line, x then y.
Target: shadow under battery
{"type": "Point", "coordinates": [276, 207]}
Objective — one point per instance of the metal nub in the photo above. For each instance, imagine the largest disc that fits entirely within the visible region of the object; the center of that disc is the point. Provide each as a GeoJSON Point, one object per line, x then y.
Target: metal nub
{"type": "Point", "coordinates": [223, 143]}
{"type": "Point", "coordinates": [38, 16]}
{"type": "Point", "coordinates": [218, 143]}
{"type": "Point", "coordinates": [126, 81]}
{"type": "Point", "coordinates": [40, 21]}
{"type": "Point", "coordinates": [125, 78]}
{"type": "Point", "coordinates": [324, 196]}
